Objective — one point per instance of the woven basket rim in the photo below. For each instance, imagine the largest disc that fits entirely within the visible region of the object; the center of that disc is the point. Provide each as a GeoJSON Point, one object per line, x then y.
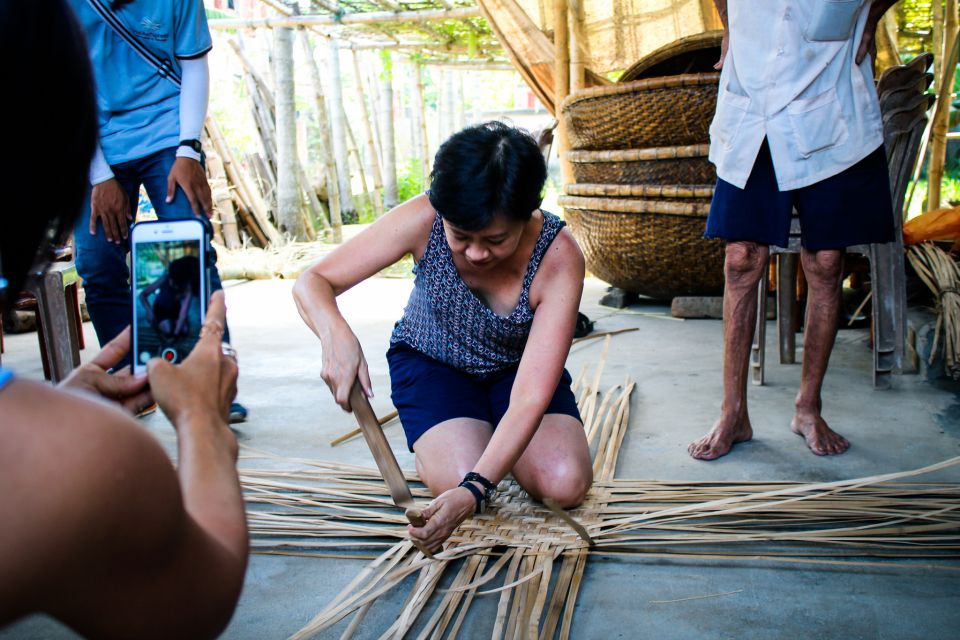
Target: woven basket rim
{"type": "Point", "coordinates": [701, 150]}
{"type": "Point", "coordinates": [681, 191]}
{"type": "Point", "coordinates": [633, 205]}
{"type": "Point", "coordinates": [696, 42]}
{"type": "Point", "coordinates": [664, 82]}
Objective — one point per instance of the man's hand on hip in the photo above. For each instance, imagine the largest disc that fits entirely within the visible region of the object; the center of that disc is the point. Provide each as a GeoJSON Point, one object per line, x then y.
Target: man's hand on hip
{"type": "Point", "coordinates": [110, 205]}
{"type": "Point", "coordinates": [189, 175]}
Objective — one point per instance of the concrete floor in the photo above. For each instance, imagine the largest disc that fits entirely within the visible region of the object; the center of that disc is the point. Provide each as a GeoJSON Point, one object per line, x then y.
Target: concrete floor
{"type": "Point", "coordinates": [676, 366]}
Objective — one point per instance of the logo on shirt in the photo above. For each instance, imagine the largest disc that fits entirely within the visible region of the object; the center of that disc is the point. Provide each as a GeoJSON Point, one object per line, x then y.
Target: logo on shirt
{"type": "Point", "coordinates": [150, 29]}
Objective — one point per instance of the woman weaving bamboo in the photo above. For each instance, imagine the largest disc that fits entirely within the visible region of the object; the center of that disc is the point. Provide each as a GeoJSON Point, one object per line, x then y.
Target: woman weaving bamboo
{"type": "Point", "coordinates": [476, 361]}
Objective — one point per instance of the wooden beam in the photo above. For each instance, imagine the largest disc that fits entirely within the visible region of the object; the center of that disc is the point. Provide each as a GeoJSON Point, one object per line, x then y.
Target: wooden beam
{"type": "Point", "coordinates": [471, 65]}
{"type": "Point", "coordinates": [372, 17]}
{"type": "Point", "coordinates": [561, 83]}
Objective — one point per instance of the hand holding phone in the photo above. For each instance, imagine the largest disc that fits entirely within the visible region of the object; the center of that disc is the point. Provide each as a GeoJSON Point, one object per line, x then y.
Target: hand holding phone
{"type": "Point", "coordinates": [169, 289]}
{"type": "Point", "coordinates": [129, 391]}
{"type": "Point", "coordinates": [206, 383]}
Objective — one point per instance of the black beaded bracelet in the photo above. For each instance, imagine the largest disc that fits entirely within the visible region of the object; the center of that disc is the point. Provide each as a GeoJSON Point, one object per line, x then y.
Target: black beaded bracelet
{"type": "Point", "coordinates": [488, 487]}
{"type": "Point", "coordinates": [477, 494]}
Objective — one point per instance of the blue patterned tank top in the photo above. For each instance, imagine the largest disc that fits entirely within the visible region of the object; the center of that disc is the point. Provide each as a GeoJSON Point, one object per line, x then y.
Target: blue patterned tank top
{"type": "Point", "coordinates": [446, 321]}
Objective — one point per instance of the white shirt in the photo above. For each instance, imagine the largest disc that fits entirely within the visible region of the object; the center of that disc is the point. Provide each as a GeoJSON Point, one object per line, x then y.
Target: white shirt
{"type": "Point", "coordinates": [790, 76]}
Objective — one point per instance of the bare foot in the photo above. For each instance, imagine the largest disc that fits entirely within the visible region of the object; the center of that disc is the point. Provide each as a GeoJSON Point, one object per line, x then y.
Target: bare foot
{"type": "Point", "coordinates": [821, 439]}
{"type": "Point", "coordinates": [724, 434]}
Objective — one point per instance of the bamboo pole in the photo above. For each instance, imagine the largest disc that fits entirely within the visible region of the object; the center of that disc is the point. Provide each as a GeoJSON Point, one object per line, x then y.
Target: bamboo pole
{"type": "Point", "coordinates": [373, 85]}
{"type": "Point", "coordinates": [262, 228]}
{"type": "Point", "coordinates": [326, 143]}
{"type": "Point", "coordinates": [262, 104]}
{"type": "Point", "coordinates": [936, 35]}
{"type": "Point", "coordinates": [338, 132]}
{"type": "Point", "coordinates": [578, 42]}
{"type": "Point", "coordinates": [370, 17]}
{"type": "Point", "coordinates": [314, 204]}
{"type": "Point", "coordinates": [424, 142]}
{"type": "Point", "coordinates": [372, 159]}
{"type": "Point", "coordinates": [354, 150]}
{"type": "Point", "coordinates": [222, 201]}
{"type": "Point", "coordinates": [460, 113]}
{"type": "Point", "coordinates": [561, 82]}
{"type": "Point", "coordinates": [287, 213]}
{"type": "Point", "coordinates": [388, 132]}
{"type": "Point", "coordinates": [941, 114]}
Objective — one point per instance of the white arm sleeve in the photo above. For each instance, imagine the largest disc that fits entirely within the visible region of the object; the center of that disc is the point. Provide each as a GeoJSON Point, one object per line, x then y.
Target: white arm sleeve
{"type": "Point", "coordinates": [194, 94]}
{"type": "Point", "coordinates": [99, 167]}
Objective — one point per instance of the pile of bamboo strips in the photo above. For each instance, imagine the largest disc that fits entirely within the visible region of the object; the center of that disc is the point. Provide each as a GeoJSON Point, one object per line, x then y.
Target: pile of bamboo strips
{"type": "Point", "coordinates": [941, 273]}
{"type": "Point", "coordinates": [532, 557]}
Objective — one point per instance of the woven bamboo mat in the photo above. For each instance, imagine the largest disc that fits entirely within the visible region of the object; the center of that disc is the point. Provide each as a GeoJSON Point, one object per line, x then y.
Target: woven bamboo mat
{"type": "Point", "coordinates": [532, 558]}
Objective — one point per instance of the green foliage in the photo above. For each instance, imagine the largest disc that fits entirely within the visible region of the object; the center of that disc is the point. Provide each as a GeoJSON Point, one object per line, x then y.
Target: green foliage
{"type": "Point", "coordinates": [387, 61]}
{"type": "Point", "coordinates": [409, 179]}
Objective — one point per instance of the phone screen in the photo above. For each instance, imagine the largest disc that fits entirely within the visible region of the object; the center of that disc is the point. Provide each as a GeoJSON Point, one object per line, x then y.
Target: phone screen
{"type": "Point", "coordinates": [169, 297]}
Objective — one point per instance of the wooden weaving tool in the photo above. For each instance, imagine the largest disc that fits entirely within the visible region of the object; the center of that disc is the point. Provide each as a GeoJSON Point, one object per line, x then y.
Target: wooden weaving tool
{"type": "Point", "coordinates": [383, 455]}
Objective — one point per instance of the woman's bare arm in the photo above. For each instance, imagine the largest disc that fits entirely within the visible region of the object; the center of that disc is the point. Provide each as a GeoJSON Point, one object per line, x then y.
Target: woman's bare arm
{"type": "Point", "coordinates": [403, 230]}
{"type": "Point", "coordinates": [108, 536]}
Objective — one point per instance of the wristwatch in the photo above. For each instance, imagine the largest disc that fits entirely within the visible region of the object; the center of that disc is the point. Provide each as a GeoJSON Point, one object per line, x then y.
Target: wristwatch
{"type": "Point", "coordinates": [193, 144]}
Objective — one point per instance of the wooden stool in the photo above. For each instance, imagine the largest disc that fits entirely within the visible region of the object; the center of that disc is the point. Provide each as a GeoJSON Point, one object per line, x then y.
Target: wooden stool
{"type": "Point", "coordinates": [54, 298]}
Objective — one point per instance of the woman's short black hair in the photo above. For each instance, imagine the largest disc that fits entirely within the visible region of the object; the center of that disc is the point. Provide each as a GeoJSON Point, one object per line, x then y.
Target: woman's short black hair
{"type": "Point", "coordinates": [487, 170]}
{"type": "Point", "coordinates": [51, 115]}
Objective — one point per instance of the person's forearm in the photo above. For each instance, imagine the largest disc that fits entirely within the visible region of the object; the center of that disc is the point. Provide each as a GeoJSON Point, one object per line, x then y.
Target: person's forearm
{"type": "Point", "coordinates": [721, 6]}
{"type": "Point", "coordinates": [317, 303]}
{"type": "Point", "coordinates": [514, 432]}
{"type": "Point", "coordinates": [100, 170]}
{"type": "Point", "coordinates": [194, 96]}
{"type": "Point", "coordinates": [209, 481]}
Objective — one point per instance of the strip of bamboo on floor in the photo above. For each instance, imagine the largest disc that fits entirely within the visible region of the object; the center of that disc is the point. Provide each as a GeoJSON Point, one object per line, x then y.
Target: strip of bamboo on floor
{"type": "Point", "coordinates": [532, 559]}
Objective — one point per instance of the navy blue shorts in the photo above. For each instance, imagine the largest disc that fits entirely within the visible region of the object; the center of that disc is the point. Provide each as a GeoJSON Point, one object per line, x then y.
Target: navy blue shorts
{"type": "Point", "coordinates": [427, 392]}
{"type": "Point", "coordinates": [852, 207]}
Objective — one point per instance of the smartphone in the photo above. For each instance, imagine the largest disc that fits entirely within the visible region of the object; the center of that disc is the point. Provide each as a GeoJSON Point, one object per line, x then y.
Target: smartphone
{"type": "Point", "coordinates": [169, 285]}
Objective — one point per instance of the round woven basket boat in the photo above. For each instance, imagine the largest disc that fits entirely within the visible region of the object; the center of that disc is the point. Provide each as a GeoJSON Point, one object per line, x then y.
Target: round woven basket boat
{"type": "Point", "coordinates": [685, 164]}
{"type": "Point", "coordinates": [673, 110]}
{"type": "Point", "coordinates": [693, 54]}
{"type": "Point", "coordinates": [651, 247]}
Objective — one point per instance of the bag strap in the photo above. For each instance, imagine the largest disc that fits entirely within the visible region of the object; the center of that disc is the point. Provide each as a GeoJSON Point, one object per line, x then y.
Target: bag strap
{"type": "Point", "coordinates": [162, 65]}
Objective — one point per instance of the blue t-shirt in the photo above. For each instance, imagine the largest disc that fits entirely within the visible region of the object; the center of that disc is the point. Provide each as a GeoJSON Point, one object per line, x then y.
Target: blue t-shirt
{"type": "Point", "coordinates": [139, 109]}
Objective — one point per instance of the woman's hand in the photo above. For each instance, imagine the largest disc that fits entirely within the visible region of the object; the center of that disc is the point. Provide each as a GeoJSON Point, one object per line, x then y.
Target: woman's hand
{"type": "Point", "coordinates": [205, 384]}
{"type": "Point", "coordinates": [129, 391]}
{"type": "Point", "coordinates": [343, 363]}
{"type": "Point", "coordinates": [443, 516]}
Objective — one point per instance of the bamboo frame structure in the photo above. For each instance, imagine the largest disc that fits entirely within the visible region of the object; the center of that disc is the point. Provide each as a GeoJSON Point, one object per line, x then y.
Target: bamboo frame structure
{"type": "Point", "coordinates": [532, 557]}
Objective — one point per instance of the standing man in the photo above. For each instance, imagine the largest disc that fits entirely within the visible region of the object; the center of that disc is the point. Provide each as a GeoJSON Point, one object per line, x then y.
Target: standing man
{"type": "Point", "coordinates": [150, 124]}
{"type": "Point", "coordinates": [797, 126]}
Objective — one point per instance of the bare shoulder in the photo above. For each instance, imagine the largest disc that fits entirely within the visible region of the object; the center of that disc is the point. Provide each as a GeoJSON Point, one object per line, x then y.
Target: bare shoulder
{"type": "Point", "coordinates": [561, 271]}
{"type": "Point", "coordinates": [563, 257]}
{"type": "Point", "coordinates": [414, 219]}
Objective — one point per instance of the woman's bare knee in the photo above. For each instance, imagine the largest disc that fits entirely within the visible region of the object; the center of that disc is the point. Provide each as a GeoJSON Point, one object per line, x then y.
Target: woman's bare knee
{"type": "Point", "coordinates": [567, 485]}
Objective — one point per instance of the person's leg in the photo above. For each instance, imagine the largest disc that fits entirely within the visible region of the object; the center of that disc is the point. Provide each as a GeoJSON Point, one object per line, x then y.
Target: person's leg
{"type": "Point", "coordinates": [103, 266]}
{"type": "Point", "coordinates": [448, 451]}
{"type": "Point", "coordinates": [824, 273]}
{"type": "Point", "coordinates": [743, 268]}
{"type": "Point", "coordinates": [556, 463]}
